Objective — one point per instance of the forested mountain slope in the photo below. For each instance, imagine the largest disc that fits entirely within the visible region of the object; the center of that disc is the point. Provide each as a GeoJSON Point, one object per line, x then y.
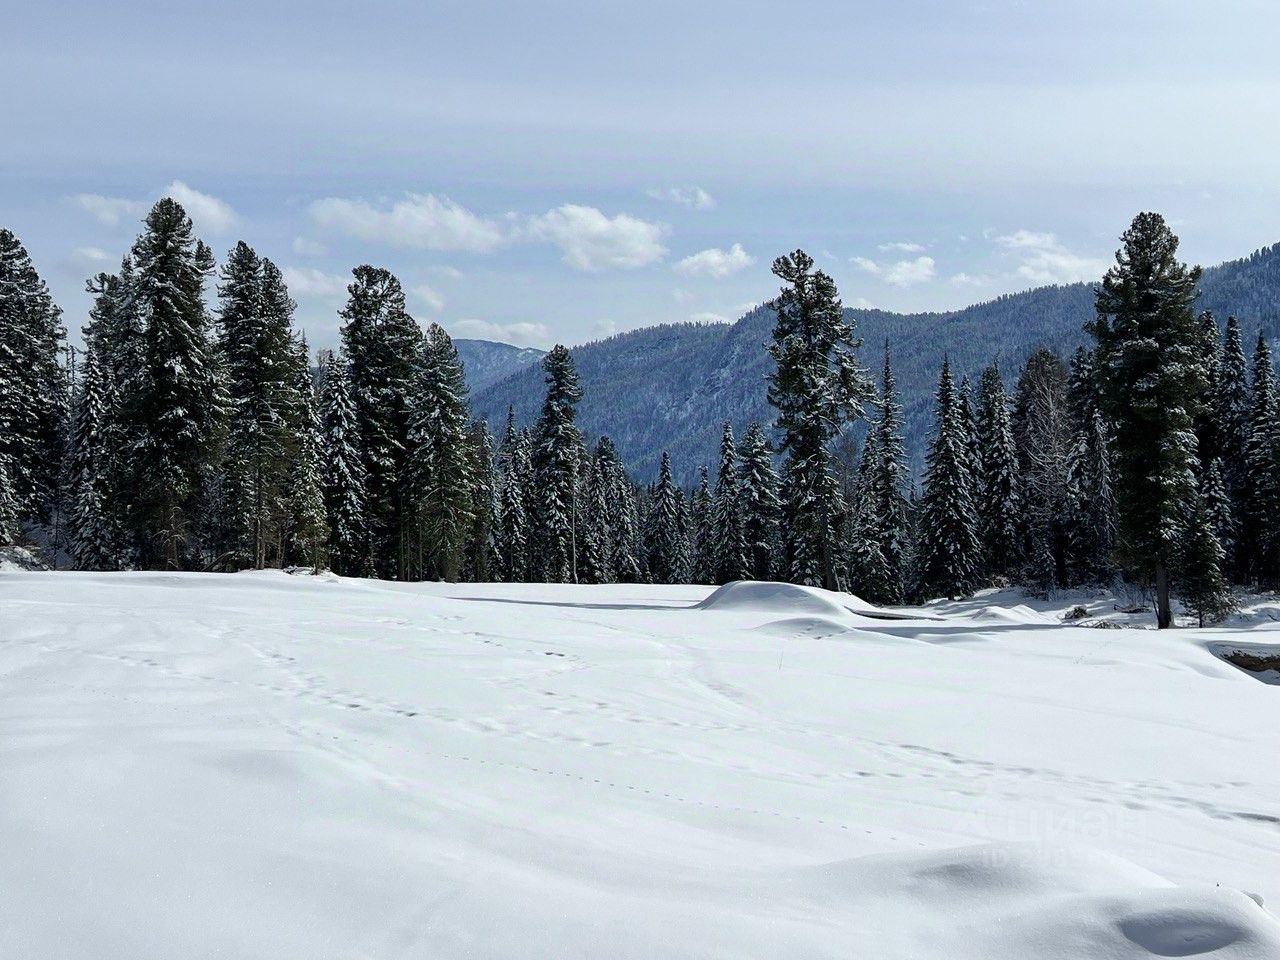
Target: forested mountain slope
{"type": "Point", "coordinates": [671, 386]}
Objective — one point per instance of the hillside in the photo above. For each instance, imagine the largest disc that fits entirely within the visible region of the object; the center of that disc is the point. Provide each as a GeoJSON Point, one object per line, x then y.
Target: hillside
{"type": "Point", "coordinates": [487, 362]}
{"type": "Point", "coordinates": [671, 386]}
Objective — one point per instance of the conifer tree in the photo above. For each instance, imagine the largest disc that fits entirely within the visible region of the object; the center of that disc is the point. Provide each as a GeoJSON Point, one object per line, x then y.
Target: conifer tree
{"type": "Point", "coordinates": [383, 347]}
{"type": "Point", "coordinates": [308, 530]}
{"type": "Point", "coordinates": [556, 447]}
{"type": "Point", "coordinates": [885, 495]}
{"type": "Point", "coordinates": [999, 493]}
{"type": "Point", "coordinates": [760, 505]}
{"type": "Point", "coordinates": [1201, 584]}
{"type": "Point", "coordinates": [1217, 505]}
{"type": "Point", "coordinates": [1152, 384]}
{"type": "Point", "coordinates": [1209, 439]}
{"type": "Point", "coordinates": [175, 406]}
{"type": "Point", "coordinates": [817, 388]}
{"type": "Point", "coordinates": [1092, 499]}
{"type": "Point", "coordinates": [1231, 407]}
{"type": "Point", "coordinates": [33, 386]}
{"type": "Point", "coordinates": [1042, 430]}
{"type": "Point", "coordinates": [1262, 506]}
{"type": "Point", "coordinates": [440, 457]}
{"type": "Point", "coordinates": [729, 549]}
{"type": "Point", "coordinates": [701, 538]}
{"type": "Point", "coordinates": [948, 542]}
{"type": "Point", "coordinates": [479, 566]}
{"type": "Point", "coordinates": [95, 537]}
{"type": "Point", "coordinates": [594, 557]}
{"type": "Point", "coordinates": [624, 532]}
{"type": "Point", "coordinates": [666, 534]}
{"type": "Point", "coordinates": [513, 522]}
{"type": "Point", "coordinates": [8, 504]}
{"type": "Point", "coordinates": [343, 476]}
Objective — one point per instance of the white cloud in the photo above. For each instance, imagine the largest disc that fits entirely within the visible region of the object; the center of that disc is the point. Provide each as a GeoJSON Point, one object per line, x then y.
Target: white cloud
{"type": "Point", "coordinates": [109, 210]}
{"type": "Point", "coordinates": [902, 247]}
{"type": "Point", "coordinates": [305, 247]}
{"type": "Point", "coordinates": [420, 220]}
{"type": "Point", "coordinates": [605, 327]}
{"type": "Point", "coordinates": [92, 255]}
{"type": "Point", "coordinates": [444, 270]}
{"type": "Point", "coordinates": [695, 198]}
{"type": "Point", "coordinates": [1045, 261]}
{"type": "Point", "coordinates": [716, 262]}
{"type": "Point", "coordinates": [970, 280]}
{"type": "Point", "coordinates": [904, 273]}
{"type": "Point", "coordinates": [591, 241]}
{"type": "Point", "coordinates": [428, 296]}
{"type": "Point", "coordinates": [208, 213]}
{"type": "Point", "coordinates": [521, 334]}
{"type": "Point", "coordinates": [316, 284]}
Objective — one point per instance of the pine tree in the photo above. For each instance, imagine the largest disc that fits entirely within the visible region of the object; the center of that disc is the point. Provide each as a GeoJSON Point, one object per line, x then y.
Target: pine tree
{"type": "Point", "coordinates": [175, 406]}
{"type": "Point", "coordinates": [728, 547]}
{"type": "Point", "coordinates": [1217, 505]}
{"type": "Point", "coordinates": [1092, 499]}
{"type": "Point", "coordinates": [595, 556]}
{"type": "Point", "coordinates": [1209, 437]}
{"type": "Point", "coordinates": [383, 347]}
{"type": "Point", "coordinates": [1201, 584]}
{"type": "Point", "coordinates": [33, 385]}
{"type": "Point", "coordinates": [343, 476]}
{"type": "Point", "coordinates": [1262, 487]}
{"type": "Point", "coordinates": [885, 494]}
{"type": "Point", "coordinates": [1231, 406]}
{"type": "Point", "coordinates": [817, 388]}
{"type": "Point", "coordinates": [95, 537]}
{"type": "Point", "coordinates": [666, 535]}
{"type": "Point", "coordinates": [760, 505]}
{"type": "Point", "coordinates": [440, 459]}
{"type": "Point", "coordinates": [620, 500]}
{"type": "Point", "coordinates": [947, 564]}
{"type": "Point", "coordinates": [1152, 384]}
{"type": "Point", "coordinates": [8, 504]}
{"type": "Point", "coordinates": [513, 521]}
{"type": "Point", "coordinates": [1042, 430]}
{"type": "Point", "coordinates": [557, 443]}
{"type": "Point", "coordinates": [701, 537]}
{"type": "Point", "coordinates": [999, 494]}
{"type": "Point", "coordinates": [308, 529]}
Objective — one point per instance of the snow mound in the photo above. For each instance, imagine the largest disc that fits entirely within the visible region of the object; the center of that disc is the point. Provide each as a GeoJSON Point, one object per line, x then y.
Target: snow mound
{"type": "Point", "coordinates": [1019, 614]}
{"type": "Point", "coordinates": [771, 597]}
{"type": "Point", "coordinates": [1038, 902]}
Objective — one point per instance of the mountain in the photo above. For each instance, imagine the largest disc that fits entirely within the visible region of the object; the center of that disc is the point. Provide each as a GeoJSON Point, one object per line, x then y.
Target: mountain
{"type": "Point", "coordinates": [487, 362]}
{"type": "Point", "coordinates": [671, 386]}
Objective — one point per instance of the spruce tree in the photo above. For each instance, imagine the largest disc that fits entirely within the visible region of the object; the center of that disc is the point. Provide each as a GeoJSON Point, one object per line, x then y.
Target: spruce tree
{"type": "Point", "coordinates": [175, 406]}
{"type": "Point", "coordinates": [1262, 486]}
{"type": "Point", "coordinates": [1042, 430]}
{"type": "Point", "coordinates": [95, 537]}
{"type": "Point", "coordinates": [817, 388]}
{"type": "Point", "coordinates": [885, 494]}
{"type": "Point", "coordinates": [595, 562]}
{"type": "Point", "coordinates": [948, 542]}
{"type": "Point", "coordinates": [1202, 586]}
{"type": "Point", "coordinates": [701, 535]}
{"type": "Point", "coordinates": [556, 447]}
{"type": "Point", "coordinates": [440, 459]}
{"type": "Point", "coordinates": [344, 474]}
{"type": "Point", "coordinates": [513, 521]}
{"type": "Point", "coordinates": [1092, 498]}
{"type": "Point", "coordinates": [383, 347]}
{"type": "Point", "coordinates": [728, 546]}
{"type": "Point", "coordinates": [8, 504]}
{"type": "Point", "coordinates": [307, 524]}
{"type": "Point", "coordinates": [760, 505]}
{"type": "Point", "coordinates": [623, 517]}
{"type": "Point", "coordinates": [999, 493]}
{"type": "Point", "coordinates": [1231, 407]}
{"type": "Point", "coordinates": [1152, 384]}
{"type": "Point", "coordinates": [666, 534]}
{"type": "Point", "coordinates": [33, 385]}
{"type": "Point", "coordinates": [479, 566]}
{"type": "Point", "coordinates": [1209, 437]}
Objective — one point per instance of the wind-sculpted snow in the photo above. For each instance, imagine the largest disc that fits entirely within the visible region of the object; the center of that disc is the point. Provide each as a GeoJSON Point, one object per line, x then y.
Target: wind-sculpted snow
{"type": "Point", "coordinates": [260, 765]}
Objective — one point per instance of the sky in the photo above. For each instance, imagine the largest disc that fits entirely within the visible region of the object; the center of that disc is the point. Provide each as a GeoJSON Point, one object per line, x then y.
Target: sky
{"type": "Point", "coordinates": [558, 172]}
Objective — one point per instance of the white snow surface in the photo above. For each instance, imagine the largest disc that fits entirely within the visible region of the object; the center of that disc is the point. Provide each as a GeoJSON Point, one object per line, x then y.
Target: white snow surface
{"type": "Point", "coordinates": [272, 766]}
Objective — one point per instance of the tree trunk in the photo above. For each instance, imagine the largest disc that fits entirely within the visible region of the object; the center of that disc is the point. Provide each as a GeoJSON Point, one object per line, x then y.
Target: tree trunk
{"type": "Point", "coordinates": [1164, 616]}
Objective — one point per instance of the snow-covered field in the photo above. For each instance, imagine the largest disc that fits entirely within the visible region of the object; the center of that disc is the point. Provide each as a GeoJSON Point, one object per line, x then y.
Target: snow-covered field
{"type": "Point", "coordinates": [265, 766]}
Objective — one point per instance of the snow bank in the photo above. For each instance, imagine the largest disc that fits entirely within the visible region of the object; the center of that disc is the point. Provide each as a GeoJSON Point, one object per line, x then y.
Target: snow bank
{"type": "Point", "coordinates": [771, 597]}
{"type": "Point", "coordinates": [13, 559]}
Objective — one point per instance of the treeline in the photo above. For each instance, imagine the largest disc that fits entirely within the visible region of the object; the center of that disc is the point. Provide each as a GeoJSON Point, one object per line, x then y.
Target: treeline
{"type": "Point", "coordinates": [184, 438]}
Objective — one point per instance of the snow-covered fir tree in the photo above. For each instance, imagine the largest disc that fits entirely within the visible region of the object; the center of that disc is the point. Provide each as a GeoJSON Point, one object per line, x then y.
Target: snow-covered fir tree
{"type": "Point", "coordinates": [760, 506]}
{"type": "Point", "coordinates": [595, 561]}
{"type": "Point", "coordinates": [1262, 484]}
{"type": "Point", "coordinates": [1209, 438]}
{"type": "Point", "coordinates": [478, 565]}
{"type": "Point", "coordinates": [33, 384]}
{"type": "Point", "coordinates": [667, 545]}
{"type": "Point", "coordinates": [556, 447]}
{"type": "Point", "coordinates": [440, 460]}
{"type": "Point", "coordinates": [817, 388]}
{"type": "Point", "coordinates": [511, 536]}
{"type": "Point", "coordinates": [307, 530]}
{"type": "Point", "coordinates": [1201, 584]}
{"type": "Point", "coordinates": [95, 533]}
{"type": "Point", "coordinates": [383, 347]}
{"type": "Point", "coordinates": [999, 493]}
{"type": "Point", "coordinates": [948, 541]}
{"type": "Point", "coordinates": [344, 473]}
{"type": "Point", "coordinates": [1092, 499]}
{"type": "Point", "coordinates": [175, 406]}
{"type": "Point", "coordinates": [1231, 407]}
{"type": "Point", "coordinates": [728, 545]}
{"type": "Point", "coordinates": [1152, 384]}
{"type": "Point", "coordinates": [1217, 507]}
{"type": "Point", "coordinates": [701, 536]}
{"type": "Point", "coordinates": [1042, 430]}
{"type": "Point", "coordinates": [623, 516]}
{"type": "Point", "coordinates": [8, 504]}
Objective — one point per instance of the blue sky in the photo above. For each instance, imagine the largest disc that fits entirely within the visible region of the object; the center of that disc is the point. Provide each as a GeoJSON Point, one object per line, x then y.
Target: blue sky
{"type": "Point", "coordinates": [554, 171]}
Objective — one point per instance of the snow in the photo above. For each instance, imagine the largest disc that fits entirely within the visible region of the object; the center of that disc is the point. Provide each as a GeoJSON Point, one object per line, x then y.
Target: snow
{"type": "Point", "coordinates": [264, 765]}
